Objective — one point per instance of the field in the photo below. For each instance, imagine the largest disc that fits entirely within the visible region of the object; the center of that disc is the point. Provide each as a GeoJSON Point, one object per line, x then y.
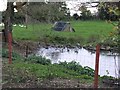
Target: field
{"type": "Point", "coordinates": [85, 32]}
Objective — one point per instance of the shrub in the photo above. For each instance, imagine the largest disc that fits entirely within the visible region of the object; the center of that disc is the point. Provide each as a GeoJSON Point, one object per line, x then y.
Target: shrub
{"type": "Point", "coordinates": [72, 65]}
{"type": "Point", "coordinates": [38, 59]}
{"type": "Point", "coordinates": [78, 68]}
{"type": "Point", "coordinates": [87, 70]}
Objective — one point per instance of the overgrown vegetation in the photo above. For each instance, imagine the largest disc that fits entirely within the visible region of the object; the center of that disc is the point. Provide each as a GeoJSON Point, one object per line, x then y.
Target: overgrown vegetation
{"type": "Point", "coordinates": [37, 68]}
{"type": "Point", "coordinates": [74, 66]}
{"type": "Point", "coordinates": [78, 68]}
{"type": "Point", "coordinates": [38, 59]}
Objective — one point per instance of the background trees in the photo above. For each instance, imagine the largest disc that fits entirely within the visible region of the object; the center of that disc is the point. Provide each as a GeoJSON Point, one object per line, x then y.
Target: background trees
{"type": "Point", "coordinates": [105, 13]}
{"type": "Point", "coordinates": [44, 12]}
{"type": "Point", "coordinates": [85, 14]}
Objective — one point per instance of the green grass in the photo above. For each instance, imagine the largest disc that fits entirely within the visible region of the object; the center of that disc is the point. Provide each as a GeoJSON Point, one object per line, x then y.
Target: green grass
{"type": "Point", "coordinates": [23, 70]}
{"type": "Point", "coordinates": [41, 67]}
{"type": "Point", "coordinates": [88, 28]}
{"type": "Point", "coordinates": [20, 71]}
{"type": "Point", "coordinates": [36, 67]}
{"type": "Point", "coordinates": [86, 31]}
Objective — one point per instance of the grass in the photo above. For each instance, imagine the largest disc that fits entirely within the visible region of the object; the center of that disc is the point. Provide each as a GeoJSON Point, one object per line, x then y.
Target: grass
{"type": "Point", "coordinates": [35, 67]}
{"type": "Point", "coordinates": [20, 71]}
{"type": "Point", "coordinates": [88, 28]}
{"type": "Point", "coordinates": [86, 32]}
{"type": "Point", "coordinates": [24, 70]}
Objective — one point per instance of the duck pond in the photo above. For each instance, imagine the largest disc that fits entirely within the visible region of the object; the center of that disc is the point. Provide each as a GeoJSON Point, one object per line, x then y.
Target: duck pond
{"type": "Point", "coordinates": [109, 62]}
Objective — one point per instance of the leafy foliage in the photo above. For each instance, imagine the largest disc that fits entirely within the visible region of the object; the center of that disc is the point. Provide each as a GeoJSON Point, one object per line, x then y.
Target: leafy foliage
{"type": "Point", "coordinates": [114, 8]}
{"type": "Point", "coordinates": [85, 14]}
{"type": "Point", "coordinates": [78, 68]}
{"type": "Point", "coordinates": [38, 59]}
{"type": "Point", "coordinates": [19, 18]}
{"type": "Point", "coordinates": [108, 11]}
{"type": "Point", "coordinates": [47, 12]}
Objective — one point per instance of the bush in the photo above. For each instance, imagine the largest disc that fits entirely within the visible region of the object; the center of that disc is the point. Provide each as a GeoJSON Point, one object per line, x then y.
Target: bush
{"type": "Point", "coordinates": [76, 67]}
{"type": "Point", "coordinates": [89, 71]}
{"type": "Point", "coordinates": [71, 65]}
{"type": "Point", "coordinates": [38, 59]}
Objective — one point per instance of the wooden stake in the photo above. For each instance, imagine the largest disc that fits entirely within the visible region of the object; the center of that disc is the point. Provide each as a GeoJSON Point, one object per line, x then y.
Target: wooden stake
{"type": "Point", "coordinates": [96, 66]}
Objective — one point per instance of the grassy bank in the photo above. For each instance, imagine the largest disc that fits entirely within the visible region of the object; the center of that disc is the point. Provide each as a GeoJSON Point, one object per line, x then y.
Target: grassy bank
{"type": "Point", "coordinates": [23, 73]}
{"type": "Point", "coordinates": [86, 32]}
{"type": "Point", "coordinates": [35, 71]}
{"type": "Point", "coordinates": [43, 68]}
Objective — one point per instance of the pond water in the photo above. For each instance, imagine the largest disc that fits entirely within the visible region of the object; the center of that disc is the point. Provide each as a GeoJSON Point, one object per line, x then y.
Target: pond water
{"type": "Point", "coordinates": [108, 64]}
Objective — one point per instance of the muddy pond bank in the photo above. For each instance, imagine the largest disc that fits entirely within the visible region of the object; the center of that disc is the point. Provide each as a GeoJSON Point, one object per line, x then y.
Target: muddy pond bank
{"type": "Point", "coordinates": [31, 46]}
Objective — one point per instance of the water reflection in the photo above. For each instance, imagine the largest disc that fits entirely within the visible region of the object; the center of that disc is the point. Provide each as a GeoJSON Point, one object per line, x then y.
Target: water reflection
{"type": "Point", "coordinates": [108, 61]}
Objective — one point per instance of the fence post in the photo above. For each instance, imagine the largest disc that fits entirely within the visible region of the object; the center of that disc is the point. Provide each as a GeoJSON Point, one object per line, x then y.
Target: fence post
{"type": "Point", "coordinates": [10, 47]}
{"type": "Point", "coordinates": [96, 66]}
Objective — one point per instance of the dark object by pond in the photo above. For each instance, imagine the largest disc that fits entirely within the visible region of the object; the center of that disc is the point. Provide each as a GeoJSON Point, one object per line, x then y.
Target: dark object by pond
{"type": "Point", "coordinates": [63, 26]}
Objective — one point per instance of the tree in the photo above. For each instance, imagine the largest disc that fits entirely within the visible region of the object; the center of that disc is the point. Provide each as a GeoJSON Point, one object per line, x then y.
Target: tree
{"type": "Point", "coordinates": [76, 16]}
{"type": "Point", "coordinates": [47, 12]}
{"type": "Point", "coordinates": [105, 13]}
{"type": "Point", "coordinates": [115, 9]}
{"type": "Point", "coordinates": [8, 18]}
{"type": "Point", "coordinates": [85, 14]}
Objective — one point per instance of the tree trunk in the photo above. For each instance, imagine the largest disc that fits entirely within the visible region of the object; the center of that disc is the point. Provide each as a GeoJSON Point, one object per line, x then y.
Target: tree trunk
{"type": "Point", "coordinates": [8, 20]}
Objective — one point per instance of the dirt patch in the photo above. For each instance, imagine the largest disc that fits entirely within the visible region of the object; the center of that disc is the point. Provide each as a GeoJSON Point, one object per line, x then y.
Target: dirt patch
{"type": "Point", "coordinates": [64, 83]}
{"type": "Point", "coordinates": [53, 83]}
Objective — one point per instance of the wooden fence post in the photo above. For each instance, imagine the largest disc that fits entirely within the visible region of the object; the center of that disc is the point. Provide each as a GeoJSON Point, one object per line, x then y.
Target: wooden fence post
{"type": "Point", "coordinates": [96, 66]}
